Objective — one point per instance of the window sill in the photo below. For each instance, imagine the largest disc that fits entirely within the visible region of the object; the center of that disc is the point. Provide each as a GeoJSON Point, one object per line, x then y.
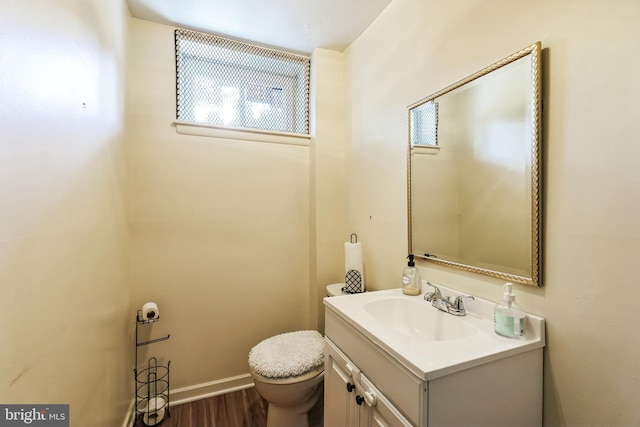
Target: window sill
{"type": "Point", "coordinates": [205, 129]}
{"type": "Point", "coordinates": [425, 149]}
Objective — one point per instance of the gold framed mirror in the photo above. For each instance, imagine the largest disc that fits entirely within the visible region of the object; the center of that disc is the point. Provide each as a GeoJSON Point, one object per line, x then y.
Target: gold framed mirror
{"type": "Point", "coordinates": [473, 169]}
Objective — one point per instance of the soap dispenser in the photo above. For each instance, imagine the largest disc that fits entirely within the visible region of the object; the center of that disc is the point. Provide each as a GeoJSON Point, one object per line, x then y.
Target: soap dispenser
{"type": "Point", "coordinates": [411, 278]}
{"type": "Point", "coordinates": [508, 320]}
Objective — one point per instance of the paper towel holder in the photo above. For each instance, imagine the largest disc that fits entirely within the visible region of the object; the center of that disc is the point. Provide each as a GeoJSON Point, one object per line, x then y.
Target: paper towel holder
{"type": "Point", "coordinates": [353, 237]}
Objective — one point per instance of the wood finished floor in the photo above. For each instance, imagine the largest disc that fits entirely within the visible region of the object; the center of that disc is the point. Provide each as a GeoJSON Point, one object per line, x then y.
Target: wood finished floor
{"type": "Point", "coordinates": [243, 408]}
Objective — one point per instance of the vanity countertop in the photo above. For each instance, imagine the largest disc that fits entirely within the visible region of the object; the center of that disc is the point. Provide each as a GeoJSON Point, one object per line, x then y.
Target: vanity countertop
{"type": "Point", "coordinates": [432, 343]}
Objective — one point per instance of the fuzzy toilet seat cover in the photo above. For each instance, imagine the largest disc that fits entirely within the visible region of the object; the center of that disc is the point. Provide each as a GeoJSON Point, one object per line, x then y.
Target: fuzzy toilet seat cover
{"type": "Point", "coordinates": [288, 355]}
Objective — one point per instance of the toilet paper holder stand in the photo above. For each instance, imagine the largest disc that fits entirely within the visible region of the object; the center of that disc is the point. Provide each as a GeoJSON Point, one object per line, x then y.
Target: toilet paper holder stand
{"type": "Point", "coordinates": [152, 382]}
{"type": "Point", "coordinates": [142, 321]}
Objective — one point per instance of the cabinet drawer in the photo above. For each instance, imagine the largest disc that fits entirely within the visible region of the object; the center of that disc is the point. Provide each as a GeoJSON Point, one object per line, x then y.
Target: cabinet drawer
{"type": "Point", "coordinates": [405, 391]}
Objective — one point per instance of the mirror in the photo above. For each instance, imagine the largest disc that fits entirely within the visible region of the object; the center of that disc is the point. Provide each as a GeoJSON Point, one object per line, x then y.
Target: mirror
{"type": "Point", "coordinates": [474, 172]}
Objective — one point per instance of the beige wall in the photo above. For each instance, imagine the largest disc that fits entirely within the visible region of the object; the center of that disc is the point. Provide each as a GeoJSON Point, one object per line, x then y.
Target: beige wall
{"type": "Point", "coordinates": [65, 323]}
{"type": "Point", "coordinates": [225, 237]}
{"type": "Point", "coordinates": [591, 183]}
{"type": "Point", "coordinates": [328, 237]}
{"type": "Point", "coordinates": [222, 228]}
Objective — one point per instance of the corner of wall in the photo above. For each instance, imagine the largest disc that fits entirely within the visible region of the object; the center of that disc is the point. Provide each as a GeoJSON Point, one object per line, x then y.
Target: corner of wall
{"type": "Point", "coordinates": [328, 118]}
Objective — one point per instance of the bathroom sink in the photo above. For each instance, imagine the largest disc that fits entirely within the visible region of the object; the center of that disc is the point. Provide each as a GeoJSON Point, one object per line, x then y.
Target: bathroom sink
{"type": "Point", "coordinates": [418, 319]}
{"type": "Point", "coordinates": [428, 342]}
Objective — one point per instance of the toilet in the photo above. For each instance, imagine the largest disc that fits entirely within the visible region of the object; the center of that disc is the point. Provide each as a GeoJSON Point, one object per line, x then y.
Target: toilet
{"type": "Point", "coordinates": [288, 372]}
{"type": "Point", "coordinates": [335, 290]}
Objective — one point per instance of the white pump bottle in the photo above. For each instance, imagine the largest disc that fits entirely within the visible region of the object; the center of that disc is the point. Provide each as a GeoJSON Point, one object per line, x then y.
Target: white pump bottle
{"type": "Point", "coordinates": [508, 320]}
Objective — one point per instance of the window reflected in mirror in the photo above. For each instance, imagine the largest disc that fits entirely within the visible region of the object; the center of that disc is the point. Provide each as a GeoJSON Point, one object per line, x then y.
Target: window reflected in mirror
{"type": "Point", "coordinates": [424, 124]}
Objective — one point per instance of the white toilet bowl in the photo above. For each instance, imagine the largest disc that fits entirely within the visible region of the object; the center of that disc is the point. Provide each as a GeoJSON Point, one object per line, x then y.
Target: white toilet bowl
{"type": "Point", "coordinates": [288, 372]}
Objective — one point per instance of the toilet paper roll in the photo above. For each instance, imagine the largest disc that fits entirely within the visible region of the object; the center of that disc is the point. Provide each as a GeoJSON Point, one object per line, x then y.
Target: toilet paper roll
{"type": "Point", "coordinates": [354, 273]}
{"type": "Point", "coordinates": [150, 311]}
{"type": "Point", "coordinates": [154, 413]}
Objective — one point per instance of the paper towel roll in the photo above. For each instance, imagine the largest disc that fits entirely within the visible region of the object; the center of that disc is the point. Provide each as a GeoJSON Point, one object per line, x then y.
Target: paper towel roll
{"type": "Point", "coordinates": [354, 273]}
{"type": "Point", "coordinates": [150, 311]}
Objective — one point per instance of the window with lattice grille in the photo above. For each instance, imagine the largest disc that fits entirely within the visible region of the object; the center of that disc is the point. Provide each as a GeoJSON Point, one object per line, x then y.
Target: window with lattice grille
{"type": "Point", "coordinates": [424, 124]}
{"type": "Point", "coordinates": [228, 83]}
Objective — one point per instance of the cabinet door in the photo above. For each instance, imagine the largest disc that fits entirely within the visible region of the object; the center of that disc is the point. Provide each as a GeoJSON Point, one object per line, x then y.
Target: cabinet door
{"type": "Point", "coordinates": [350, 399]}
{"type": "Point", "coordinates": [339, 390]}
{"type": "Point", "coordinates": [376, 410]}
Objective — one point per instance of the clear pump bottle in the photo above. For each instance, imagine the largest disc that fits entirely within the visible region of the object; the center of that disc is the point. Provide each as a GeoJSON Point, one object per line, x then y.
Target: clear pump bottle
{"type": "Point", "coordinates": [508, 320]}
{"type": "Point", "coordinates": [411, 278]}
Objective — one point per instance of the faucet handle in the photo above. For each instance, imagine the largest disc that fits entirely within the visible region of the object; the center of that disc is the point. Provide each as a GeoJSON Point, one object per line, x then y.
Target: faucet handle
{"type": "Point", "coordinates": [436, 292]}
{"type": "Point", "coordinates": [436, 289]}
{"type": "Point", "coordinates": [457, 303]}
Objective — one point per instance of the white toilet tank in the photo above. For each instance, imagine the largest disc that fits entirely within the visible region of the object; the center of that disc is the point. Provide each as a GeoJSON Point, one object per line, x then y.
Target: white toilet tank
{"type": "Point", "coordinates": [335, 290]}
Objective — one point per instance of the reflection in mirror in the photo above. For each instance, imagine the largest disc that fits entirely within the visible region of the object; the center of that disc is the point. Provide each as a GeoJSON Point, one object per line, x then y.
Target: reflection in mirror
{"type": "Point", "coordinates": [474, 168]}
{"type": "Point", "coordinates": [424, 124]}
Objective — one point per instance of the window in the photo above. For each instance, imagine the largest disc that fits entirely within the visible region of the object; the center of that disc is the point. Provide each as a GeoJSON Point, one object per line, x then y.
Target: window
{"type": "Point", "coordinates": [424, 124]}
{"type": "Point", "coordinates": [233, 84]}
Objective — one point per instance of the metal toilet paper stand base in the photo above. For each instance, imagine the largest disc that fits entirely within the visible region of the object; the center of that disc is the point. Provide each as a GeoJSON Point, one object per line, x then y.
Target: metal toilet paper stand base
{"type": "Point", "coordinates": [151, 384]}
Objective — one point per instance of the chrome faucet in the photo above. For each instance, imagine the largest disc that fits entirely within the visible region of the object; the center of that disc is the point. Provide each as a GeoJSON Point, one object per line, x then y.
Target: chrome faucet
{"type": "Point", "coordinates": [444, 304]}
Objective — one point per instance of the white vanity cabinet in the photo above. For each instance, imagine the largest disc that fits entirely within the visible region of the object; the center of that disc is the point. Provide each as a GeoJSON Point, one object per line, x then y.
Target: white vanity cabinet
{"type": "Point", "coordinates": [351, 400]}
{"type": "Point", "coordinates": [368, 383]}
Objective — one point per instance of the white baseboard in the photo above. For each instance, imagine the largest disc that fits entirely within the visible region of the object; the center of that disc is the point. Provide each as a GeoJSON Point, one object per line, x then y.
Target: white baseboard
{"type": "Point", "coordinates": [198, 392]}
{"type": "Point", "coordinates": [212, 388]}
{"type": "Point", "coordinates": [128, 419]}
